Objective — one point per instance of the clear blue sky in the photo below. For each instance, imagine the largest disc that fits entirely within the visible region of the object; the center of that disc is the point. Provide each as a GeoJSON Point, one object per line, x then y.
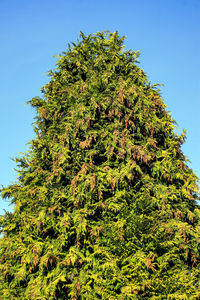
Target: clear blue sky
{"type": "Point", "coordinates": [167, 33]}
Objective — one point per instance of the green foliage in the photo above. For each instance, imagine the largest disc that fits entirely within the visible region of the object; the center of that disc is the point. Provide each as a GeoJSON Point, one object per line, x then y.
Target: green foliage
{"type": "Point", "coordinates": [105, 203]}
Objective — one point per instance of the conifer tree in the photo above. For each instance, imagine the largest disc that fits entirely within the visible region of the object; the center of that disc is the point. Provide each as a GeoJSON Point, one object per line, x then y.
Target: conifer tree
{"type": "Point", "coordinates": [105, 202]}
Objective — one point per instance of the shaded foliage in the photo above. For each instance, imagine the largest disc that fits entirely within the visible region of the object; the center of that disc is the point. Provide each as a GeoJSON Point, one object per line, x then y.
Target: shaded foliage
{"type": "Point", "coordinates": [105, 203]}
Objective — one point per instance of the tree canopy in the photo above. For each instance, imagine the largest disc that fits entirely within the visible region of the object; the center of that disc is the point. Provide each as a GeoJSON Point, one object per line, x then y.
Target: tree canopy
{"type": "Point", "coordinates": [105, 204]}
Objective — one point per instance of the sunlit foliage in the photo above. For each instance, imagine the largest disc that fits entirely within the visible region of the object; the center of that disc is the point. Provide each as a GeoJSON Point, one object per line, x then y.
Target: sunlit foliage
{"type": "Point", "coordinates": [105, 202]}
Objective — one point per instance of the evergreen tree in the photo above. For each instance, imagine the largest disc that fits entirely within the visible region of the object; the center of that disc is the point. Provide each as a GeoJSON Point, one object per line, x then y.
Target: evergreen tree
{"type": "Point", "coordinates": [105, 202]}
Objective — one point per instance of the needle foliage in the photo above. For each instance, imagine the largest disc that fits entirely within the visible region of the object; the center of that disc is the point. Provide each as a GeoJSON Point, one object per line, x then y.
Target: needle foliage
{"type": "Point", "coordinates": [105, 202]}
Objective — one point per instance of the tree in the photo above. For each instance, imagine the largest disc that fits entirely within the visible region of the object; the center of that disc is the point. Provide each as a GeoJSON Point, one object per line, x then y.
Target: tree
{"type": "Point", "coordinates": [105, 202]}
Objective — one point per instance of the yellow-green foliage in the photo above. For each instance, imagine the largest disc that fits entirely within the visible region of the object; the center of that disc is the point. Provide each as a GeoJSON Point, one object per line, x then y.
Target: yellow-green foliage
{"type": "Point", "coordinates": [105, 203]}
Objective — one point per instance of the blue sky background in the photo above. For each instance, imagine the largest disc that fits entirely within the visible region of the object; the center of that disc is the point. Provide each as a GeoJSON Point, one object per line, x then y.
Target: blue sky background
{"type": "Point", "coordinates": [167, 33]}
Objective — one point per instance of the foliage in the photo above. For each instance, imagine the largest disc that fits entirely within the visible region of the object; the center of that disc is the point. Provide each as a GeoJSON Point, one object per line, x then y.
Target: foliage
{"type": "Point", "coordinates": [105, 202]}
